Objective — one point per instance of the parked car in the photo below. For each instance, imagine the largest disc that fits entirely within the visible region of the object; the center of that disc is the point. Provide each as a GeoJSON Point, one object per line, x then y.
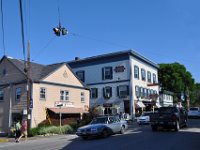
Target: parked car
{"type": "Point", "coordinates": [144, 118]}
{"type": "Point", "coordinates": [194, 112]}
{"type": "Point", "coordinates": [169, 117]}
{"type": "Point", "coordinates": [103, 127]}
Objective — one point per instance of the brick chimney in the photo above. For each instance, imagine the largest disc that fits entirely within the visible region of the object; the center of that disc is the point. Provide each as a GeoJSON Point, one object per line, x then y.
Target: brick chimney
{"type": "Point", "coordinates": [77, 59]}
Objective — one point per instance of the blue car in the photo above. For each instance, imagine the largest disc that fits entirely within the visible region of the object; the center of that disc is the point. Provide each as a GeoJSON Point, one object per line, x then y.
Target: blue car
{"type": "Point", "coordinates": [103, 127]}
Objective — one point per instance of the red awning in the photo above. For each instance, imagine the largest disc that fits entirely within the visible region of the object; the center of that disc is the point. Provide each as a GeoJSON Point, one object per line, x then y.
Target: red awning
{"type": "Point", "coordinates": [68, 110]}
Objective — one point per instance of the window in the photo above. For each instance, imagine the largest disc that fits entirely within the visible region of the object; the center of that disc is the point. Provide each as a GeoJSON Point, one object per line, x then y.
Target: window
{"type": "Point", "coordinates": [1, 95]}
{"type": "Point", "coordinates": [123, 91]}
{"type": "Point", "coordinates": [93, 93]}
{"type": "Point", "coordinates": [136, 72]}
{"type": "Point", "coordinates": [148, 93]}
{"type": "Point", "coordinates": [143, 74]}
{"type": "Point", "coordinates": [145, 92]}
{"type": "Point", "coordinates": [107, 73]}
{"type": "Point", "coordinates": [82, 97]}
{"type": "Point", "coordinates": [64, 95]}
{"type": "Point", "coordinates": [81, 75]}
{"type": "Point", "coordinates": [154, 78]}
{"type": "Point", "coordinates": [149, 76]}
{"type": "Point", "coordinates": [141, 92]}
{"type": "Point", "coordinates": [107, 92]}
{"type": "Point", "coordinates": [137, 91]}
{"type": "Point", "coordinates": [18, 93]}
{"type": "Point", "coordinates": [42, 93]}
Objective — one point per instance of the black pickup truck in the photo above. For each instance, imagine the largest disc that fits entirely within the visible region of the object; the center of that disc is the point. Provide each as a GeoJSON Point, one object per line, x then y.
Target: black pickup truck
{"type": "Point", "coordinates": [169, 117]}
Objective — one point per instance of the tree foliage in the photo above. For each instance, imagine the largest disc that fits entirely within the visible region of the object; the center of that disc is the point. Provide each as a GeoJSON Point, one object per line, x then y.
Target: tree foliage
{"type": "Point", "coordinates": [174, 77]}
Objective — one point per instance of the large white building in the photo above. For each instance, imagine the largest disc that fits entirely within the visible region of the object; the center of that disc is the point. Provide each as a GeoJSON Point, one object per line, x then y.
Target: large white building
{"type": "Point", "coordinates": [119, 81]}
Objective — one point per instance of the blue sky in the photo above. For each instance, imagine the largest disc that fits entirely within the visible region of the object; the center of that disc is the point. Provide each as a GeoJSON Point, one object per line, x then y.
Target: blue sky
{"type": "Point", "coordinates": [164, 31]}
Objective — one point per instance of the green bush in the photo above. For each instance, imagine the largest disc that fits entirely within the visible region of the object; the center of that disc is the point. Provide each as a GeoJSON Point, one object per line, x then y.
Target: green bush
{"type": "Point", "coordinates": [34, 131]}
{"type": "Point", "coordinates": [43, 130]}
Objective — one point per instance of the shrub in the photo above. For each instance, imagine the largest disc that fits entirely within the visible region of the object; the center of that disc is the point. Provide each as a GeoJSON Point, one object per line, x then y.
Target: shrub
{"type": "Point", "coordinates": [34, 131]}
{"type": "Point", "coordinates": [43, 130]}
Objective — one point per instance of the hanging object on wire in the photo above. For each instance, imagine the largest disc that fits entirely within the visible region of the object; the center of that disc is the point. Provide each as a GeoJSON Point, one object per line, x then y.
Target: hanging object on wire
{"type": "Point", "coordinates": [59, 30]}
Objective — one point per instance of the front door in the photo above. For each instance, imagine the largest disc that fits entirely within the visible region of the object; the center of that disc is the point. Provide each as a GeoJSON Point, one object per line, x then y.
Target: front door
{"type": "Point", "coordinates": [127, 106]}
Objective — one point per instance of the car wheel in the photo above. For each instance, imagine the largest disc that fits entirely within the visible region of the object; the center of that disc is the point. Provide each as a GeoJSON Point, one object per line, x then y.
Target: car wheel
{"type": "Point", "coordinates": [105, 133]}
{"type": "Point", "coordinates": [177, 126]}
{"type": "Point", "coordinates": [122, 130]}
{"type": "Point", "coordinates": [84, 138]}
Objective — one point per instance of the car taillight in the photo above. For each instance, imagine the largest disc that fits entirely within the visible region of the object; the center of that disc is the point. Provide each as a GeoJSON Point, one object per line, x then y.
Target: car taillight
{"type": "Point", "coordinates": [173, 117]}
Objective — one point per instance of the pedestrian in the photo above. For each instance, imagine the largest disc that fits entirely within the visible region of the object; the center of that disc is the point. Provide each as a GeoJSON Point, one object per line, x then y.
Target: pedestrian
{"type": "Point", "coordinates": [17, 130]}
{"type": "Point", "coordinates": [23, 130]}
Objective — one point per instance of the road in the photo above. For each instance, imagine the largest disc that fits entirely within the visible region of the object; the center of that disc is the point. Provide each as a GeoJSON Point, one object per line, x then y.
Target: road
{"type": "Point", "coordinates": [138, 138]}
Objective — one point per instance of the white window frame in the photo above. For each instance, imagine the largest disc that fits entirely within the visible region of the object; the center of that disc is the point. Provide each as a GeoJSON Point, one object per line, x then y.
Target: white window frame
{"type": "Point", "coordinates": [154, 78]}
{"type": "Point", "coordinates": [94, 93]}
{"type": "Point", "coordinates": [82, 97]}
{"type": "Point", "coordinates": [136, 72]}
{"type": "Point", "coordinates": [143, 74]}
{"type": "Point", "coordinates": [123, 91]}
{"type": "Point", "coordinates": [137, 91]}
{"type": "Point", "coordinates": [43, 92]}
{"type": "Point", "coordinates": [64, 95]}
{"type": "Point", "coordinates": [107, 92]}
{"type": "Point", "coordinates": [107, 73]}
{"type": "Point", "coordinates": [149, 76]}
{"type": "Point", "coordinates": [18, 93]}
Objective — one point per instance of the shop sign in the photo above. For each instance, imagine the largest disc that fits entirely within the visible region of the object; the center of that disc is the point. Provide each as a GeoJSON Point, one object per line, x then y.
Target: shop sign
{"type": "Point", "coordinates": [119, 69]}
{"type": "Point", "coordinates": [107, 105]}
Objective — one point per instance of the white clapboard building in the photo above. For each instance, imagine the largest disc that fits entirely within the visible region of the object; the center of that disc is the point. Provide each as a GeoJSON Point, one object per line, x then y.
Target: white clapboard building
{"type": "Point", "coordinates": [119, 82]}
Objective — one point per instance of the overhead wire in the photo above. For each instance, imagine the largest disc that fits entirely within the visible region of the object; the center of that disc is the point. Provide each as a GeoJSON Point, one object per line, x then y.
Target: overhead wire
{"type": "Point", "coordinates": [22, 29]}
{"type": "Point", "coordinates": [2, 26]}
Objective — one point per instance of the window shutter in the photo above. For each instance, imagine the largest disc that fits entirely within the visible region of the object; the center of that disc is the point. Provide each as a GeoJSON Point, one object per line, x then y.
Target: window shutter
{"type": "Point", "coordinates": [102, 73]}
{"type": "Point", "coordinates": [111, 72]}
{"type": "Point", "coordinates": [104, 94]}
{"type": "Point", "coordinates": [96, 92]}
{"type": "Point", "coordinates": [127, 87]}
{"type": "Point", "coordinates": [110, 91]}
{"type": "Point", "coordinates": [118, 91]}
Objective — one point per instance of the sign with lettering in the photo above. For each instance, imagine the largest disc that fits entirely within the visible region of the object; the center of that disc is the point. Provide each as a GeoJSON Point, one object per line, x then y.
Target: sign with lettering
{"type": "Point", "coordinates": [119, 69]}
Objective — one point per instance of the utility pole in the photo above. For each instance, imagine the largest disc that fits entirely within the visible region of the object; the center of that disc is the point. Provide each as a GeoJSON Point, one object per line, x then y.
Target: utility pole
{"type": "Point", "coordinates": [28, 88]}
{"type": "Point", "coordinates": [188, 98]}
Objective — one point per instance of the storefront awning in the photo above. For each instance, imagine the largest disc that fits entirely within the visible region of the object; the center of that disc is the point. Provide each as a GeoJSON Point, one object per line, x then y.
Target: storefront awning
{"type": "Point", "coordinates": [140, 104]}
{"type": "Point", "coordinates": [67, 110]}
{"type": "Point", "coordinates": [158, 105]}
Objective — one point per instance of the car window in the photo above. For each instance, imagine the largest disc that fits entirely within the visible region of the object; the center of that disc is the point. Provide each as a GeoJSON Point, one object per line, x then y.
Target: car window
{"type": "Point", "coordinates": [99, 120]}
{"type": "Point", "coordinates": [193, 109]}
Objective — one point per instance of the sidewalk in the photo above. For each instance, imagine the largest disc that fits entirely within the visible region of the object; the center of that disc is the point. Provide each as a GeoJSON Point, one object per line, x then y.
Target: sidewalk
{"type": "Point", "coordinates": [131, 125]}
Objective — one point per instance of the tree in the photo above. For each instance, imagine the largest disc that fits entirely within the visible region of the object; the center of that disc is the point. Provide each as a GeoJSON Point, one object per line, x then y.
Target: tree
{"type": "Point", "coordinates": [174, 77]}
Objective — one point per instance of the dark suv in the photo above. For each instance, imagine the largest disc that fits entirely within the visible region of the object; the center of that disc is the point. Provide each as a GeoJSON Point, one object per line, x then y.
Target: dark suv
{"type": "Point", "coordinates": [169, 117]}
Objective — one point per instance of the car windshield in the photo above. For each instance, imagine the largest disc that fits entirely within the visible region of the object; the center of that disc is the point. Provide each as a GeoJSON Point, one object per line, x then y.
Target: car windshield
{"type": "Point", "coordinates": [99, 120]}
{"type": "Point", "coordinates": [167, 110]}
{"type": "Point", "coordinates": [194, 109]}
{"type": "Point", "coordinates": [145, 114]}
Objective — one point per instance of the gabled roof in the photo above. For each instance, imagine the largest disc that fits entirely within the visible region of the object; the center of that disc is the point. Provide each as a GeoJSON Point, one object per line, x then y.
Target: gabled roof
{"type": "Point", "coordinates": [37, 71]}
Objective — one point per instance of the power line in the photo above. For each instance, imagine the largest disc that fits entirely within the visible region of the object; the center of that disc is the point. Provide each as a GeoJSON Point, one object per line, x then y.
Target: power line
{"type": "Point", "coordinates": [43, 48]}
{"type": "Point", "coordinates": [2, 25]}
{"type": "Point", "coordinates": [22, 29]}
{"type": "Point", "coordinates": [98, 40]}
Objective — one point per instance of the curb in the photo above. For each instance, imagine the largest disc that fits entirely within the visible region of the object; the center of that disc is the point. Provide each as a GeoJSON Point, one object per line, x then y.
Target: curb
{"type": "Point", "coordinates": [3, 140]}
